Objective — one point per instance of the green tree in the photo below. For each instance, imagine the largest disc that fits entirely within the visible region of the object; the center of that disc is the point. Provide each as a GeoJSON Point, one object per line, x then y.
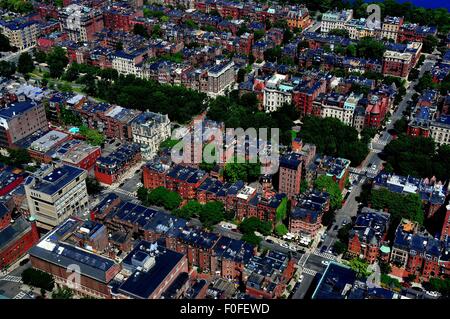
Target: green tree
{"type": "Point", "coordinates": [251, 238]}
{"type": "Point", "coordinates": [57, 60]}
{"type": "Point", "coordinates": [368, 47]}
{"type": "Point", "coordinates": [334, 138]}
{"type": "Point", "coordinates": [360, 267]}
{"type": "Point", "coordinates": [139, 29]}
{"type": "Point", "coordinates": [399, 205]}
{"type": "Point", "coordinates": [247, 172]}
{"type": "Point", "coordinates": [281, 229]}
{"type": "Point", "coordinates": [7, 69]}
{"type": "Point", "coordinates": [281, 212]}
{"type": "Point", "coordinates": [142, 195]}
{"type": "Point", "coordinates": [93, 186]}
{"type": "Point", "coordinates": [4, 43]}
{"type": "Point", "coordinates": [92, 136]}
{"type": "Point", "coordinates": [339, 32]}
{"type": "Point", "coordinates": [192, 208]}
{"type": "Point", "coordinates": [339, 247]}
{"type": "Point", "coordinates": [211, 213]}
{"type": "Point", "coordinates": [38, 278]}
{"type": "Point", "coordinates": [327, 183]}
{"type": "Point", "coordinates": [25, 64]}
{"type": "Point", "coordinates": [385, 267]}
{"type": "Point", "coordinates": [63, 293]}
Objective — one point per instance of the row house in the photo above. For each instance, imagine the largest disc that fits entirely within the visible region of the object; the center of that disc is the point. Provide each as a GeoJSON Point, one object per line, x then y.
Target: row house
{"type": "Point", "coordinates": [336, 168]}
{"type": "Point", "coordinates": [332, 20]}
{"type": "Point", "coordinates": [305, 93]}
{"type": "Point", "coordinates": [414, 32]}
{"type": "Point", "coordinates": [267, 276]}
{"type": "Point", "coordinates": [113, 121]}
{"type": "Point", "coordinates": [306, 217]}
{"type": "Point", "coordinates": [298, 18]}
{"type": "Point", "coordinates": [415, 251]}
{"type": "Point", "coordinates": [119, 17]}
{"type": "Point", "coordinates": [277, 91]}
{"type": "Point", "coordinates": [368, 234]}
{"type": "Point", "coordinates": [431, 191]}
{"type": "Point", "coordinates": [390, 28]}
{"type": "Point", "coordinates": [81, 22]}
{"type": "Point", "coordinates": [21, 33]}
{"type": "Point", "coordinates": [108, 169]}
{"type": "Point", "coordinates": [217, 255]}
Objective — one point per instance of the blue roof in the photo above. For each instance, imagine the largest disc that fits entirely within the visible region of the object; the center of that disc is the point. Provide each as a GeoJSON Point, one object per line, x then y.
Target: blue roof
{"type": "Point", "coordinates": [334, 281]}
{"type": "Point", "coordinates": [14, 109]}
{"type": "Point", "coordinates": [57, 179]}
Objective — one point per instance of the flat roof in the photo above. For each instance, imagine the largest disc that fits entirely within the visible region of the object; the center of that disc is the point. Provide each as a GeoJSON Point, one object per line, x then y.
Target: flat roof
{"type": "Point", "coordinates": [141, 284]}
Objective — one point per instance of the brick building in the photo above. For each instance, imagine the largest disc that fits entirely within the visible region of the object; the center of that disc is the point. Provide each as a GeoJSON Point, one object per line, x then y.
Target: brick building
{"type": "Point", "coordinates": [368, 234]}
{"type": "Point", "coordinates": [108, 169]}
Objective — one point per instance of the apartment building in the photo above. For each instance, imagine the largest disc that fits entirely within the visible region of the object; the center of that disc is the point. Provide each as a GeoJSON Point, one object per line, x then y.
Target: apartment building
{"type": "Point", "coordinates": [290, 174]}
{"type": "Point", "coordinates": [19, 120]}
{"type": "Point", "coordinates": [335, 20]}
{"type": "Point", "coordinates": [397, 63]}
{"type": "Point", "coordinates": [220, 77]}
{"type": "Point", "coordinates": [20, 33]}
{"type": "Point", "coordinates": [277, 92]}
{"type": "Point", "coordinates": [440, 129]}
{"type": "Point", "coordinates": [53, 194]}
{"type": "Point", "coordinates": [390, 27]}
{"type": "Point", "coordinates": [81, 22]}
{"type": "Point", "coordinates": [149, 130]}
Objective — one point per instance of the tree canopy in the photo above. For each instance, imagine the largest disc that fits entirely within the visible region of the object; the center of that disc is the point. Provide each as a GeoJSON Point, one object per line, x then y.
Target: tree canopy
{"type": "Point", "coordinates": [417, 156]}
{"type": "Point", "coordinates": [38, 278]}
{"type": "Point", "coordinates": [160, 196]}
{"type": "Point", "coordinates": [25, 64]}
{"type": "Point", "coordinates": [399, 206]}
{"type": "Point", "coordinates": [332, 188]}
{"type": "Point", "coordinates": [334, 138]}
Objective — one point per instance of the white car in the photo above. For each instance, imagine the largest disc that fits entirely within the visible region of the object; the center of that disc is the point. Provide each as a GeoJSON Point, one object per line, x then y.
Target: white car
{"type": "Point", "coordinates": [325, 262]}
{"type": "Point", "coordinates": [284, 245]}
{"type": "Point", "coordinates": [301, 278]}
{"type": "Point", "coordinates": [374, 167]}
{"type": "Point", "coordinates": [433, 294]}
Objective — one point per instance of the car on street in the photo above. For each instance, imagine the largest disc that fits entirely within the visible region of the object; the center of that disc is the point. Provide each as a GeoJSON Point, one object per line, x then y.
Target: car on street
{"type": "Point", "coordinates": [325, 262]}
{"type": "Point", "coordinates": [284, 245]}
{"type": "Point", "coordinates": [344, 222]}
{"type": "Point", "coordinates": [323, 249]}
{"type": "Point", "coordinates": [434, 294]}
{"type": "Point", "coordinates": [374, 167]}
{"type": "Point", "coordinates": [301, 278]}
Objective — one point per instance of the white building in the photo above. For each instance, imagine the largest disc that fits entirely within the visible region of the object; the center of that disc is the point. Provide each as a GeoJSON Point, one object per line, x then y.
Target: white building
{"type": "Point", "coordinates": [335, 20]}
{"type": "Point", "coordinates": [277, 92]}
{"type": "Point", "coordinates": [149, 130]}
{"type": "Point", "coordinates": [55, 193]}
{"type": "Point", "coordinates": [220, 77]}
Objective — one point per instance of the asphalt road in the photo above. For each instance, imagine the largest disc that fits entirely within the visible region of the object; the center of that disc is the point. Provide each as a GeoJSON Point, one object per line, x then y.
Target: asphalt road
{"type": "Point", "coordinates": [350, 208]}
{"type": "Point", "coordinates": [302, 288]}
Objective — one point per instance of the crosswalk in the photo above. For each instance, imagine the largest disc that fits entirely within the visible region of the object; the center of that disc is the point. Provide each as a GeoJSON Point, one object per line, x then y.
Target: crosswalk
{"type": "Point", "coordinates": [20, 295]}
{"type": "Point", "coordinates": [11, 278]}
{"type": "Point", "coordinates": [309, 272]}
{"type": "Point", "coordinates": [325, 255]}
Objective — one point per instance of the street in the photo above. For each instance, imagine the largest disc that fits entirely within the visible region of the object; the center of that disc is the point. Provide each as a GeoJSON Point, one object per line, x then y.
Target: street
{"type": "Point", "coordinates": [350, 208]}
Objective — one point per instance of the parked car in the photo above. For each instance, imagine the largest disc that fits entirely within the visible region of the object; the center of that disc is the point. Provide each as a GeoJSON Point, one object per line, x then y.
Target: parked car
{"type": "Point", "coordinates": [301, 278]}
{"type": "Point", "coordinates": [434, 294]}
